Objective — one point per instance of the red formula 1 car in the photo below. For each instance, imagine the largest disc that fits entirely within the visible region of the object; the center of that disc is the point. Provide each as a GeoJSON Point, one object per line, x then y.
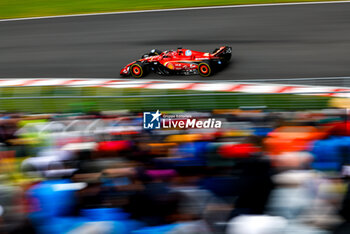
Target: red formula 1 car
{"type": "Point", "coordinates": [179, 62]}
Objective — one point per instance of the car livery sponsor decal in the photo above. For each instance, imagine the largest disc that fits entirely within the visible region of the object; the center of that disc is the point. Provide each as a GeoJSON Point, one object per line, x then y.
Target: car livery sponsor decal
{"type": "Point", "coordinates": [169, 65]}
{"type": "Point", "coordinates": [188, 53]}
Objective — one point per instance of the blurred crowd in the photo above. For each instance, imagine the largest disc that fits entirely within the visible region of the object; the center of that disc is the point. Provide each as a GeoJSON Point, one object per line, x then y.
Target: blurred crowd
{"type": "Point", "coordinates": [100, 172]}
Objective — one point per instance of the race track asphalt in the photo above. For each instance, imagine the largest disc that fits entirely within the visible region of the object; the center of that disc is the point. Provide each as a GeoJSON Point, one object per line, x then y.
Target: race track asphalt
{"type": "Point", "coordinates": [268, 42]}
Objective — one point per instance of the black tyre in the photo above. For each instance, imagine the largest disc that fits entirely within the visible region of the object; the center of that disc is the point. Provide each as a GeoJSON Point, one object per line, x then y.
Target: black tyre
{"type": "Point", "coordinates": [204, 69]}
{"type": "Point", "coordinates": [138, 70]}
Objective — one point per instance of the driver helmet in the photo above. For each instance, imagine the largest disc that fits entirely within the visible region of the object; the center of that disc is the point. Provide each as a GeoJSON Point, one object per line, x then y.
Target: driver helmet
{"type": "Point", "coordinates": [179, 51]}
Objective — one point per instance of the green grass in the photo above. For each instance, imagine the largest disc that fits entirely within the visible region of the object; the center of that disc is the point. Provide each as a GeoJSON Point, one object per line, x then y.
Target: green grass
{"type": "Point", "coordinates": [32, 8]}
{"type": "Point", "coordinates": [147, 102]}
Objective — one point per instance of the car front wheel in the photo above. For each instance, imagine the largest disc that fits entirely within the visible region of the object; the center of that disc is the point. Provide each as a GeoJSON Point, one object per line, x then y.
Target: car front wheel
{"type": "Point", "coordinates": [138, 70]}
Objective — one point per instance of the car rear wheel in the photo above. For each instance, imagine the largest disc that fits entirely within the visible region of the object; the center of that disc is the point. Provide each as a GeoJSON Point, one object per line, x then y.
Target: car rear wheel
{"type": "Point", "coordinates": [138, 70]}
{"type": "Point", "coordinates": [204, 69]}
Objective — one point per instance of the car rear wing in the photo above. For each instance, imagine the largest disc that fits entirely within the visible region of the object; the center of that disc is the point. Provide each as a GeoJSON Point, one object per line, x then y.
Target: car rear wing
{"type": "Point", "coordinates": [223, 52]}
